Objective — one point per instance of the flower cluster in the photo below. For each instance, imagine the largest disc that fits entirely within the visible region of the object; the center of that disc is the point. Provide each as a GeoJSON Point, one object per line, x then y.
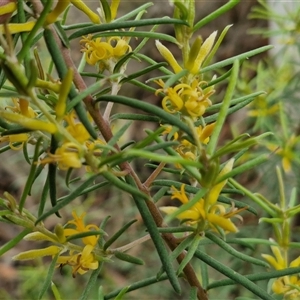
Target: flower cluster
{"type": "Point", "coordinates": [206, 213]}
{"type": "Point", "coordinates": [85, 260]}
{"type": "Point", "coordinates": [289, 286]}
{"type": "Point", "coordinates": [104, 53]}
{"type": "Point", "coordinates": [81, 259]}
{"type": "Point", "coordinates": [188, 99]}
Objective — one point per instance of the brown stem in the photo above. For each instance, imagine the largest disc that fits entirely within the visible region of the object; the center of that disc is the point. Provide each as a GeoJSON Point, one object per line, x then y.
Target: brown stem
{"type": "Point", "coordinates": [154, 174]}
{"type": "Point", "coordinates": [106, 132]}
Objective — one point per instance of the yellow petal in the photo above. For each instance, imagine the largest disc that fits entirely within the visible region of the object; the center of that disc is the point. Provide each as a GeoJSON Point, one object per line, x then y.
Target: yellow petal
{"type": "Point", "coordinates": [168, 56]}
{"type": "Point", "coordinates": [29, 123]}
{"type": "Point", "coordinates": [272, 261]}
{"type": "Point", "coordinates": [204, 51]}
{"type": "Point", "coordinates": [38, 236]}
{"type": "Point", "coordinates": [15, 28]}
{"type": "Point", "coordinates": [295, 262]}
{"type": "Point", "coordinates": [215, 190]}
{"type": "Point", "coordinates": [279, 258]}
{"type": "Point", "coordinates": [31, 254]}
{"type": "Point", "coordinates": [222, 222]}
{"type": "Point", "coordinates": [286, 164]}
{"type": "Point", "coordinates": [114, 8]}
{"type": "Point", "coordinates": [81, 6]}
{"type": "Point", "coordinates": [7, 8]}
{"type": "Point", "coordinates": [168, 209]}
{"type": "Point", "coordinates": [189, 214]}
{"type": "Point", "coordinates": [58, 9]}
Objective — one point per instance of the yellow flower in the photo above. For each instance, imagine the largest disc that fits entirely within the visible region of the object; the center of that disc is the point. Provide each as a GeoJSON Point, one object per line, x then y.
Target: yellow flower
{"type": "Point", "coordinates": [261, 108]}
{"type": "Point", "coordinates": [21, 106]}
{"type": "Point", "coordinates": [190, 100]}
{"type": "Point", "coordinates": [15, 138]}
{"type": "Point", "coordinates": [287, 151]}
{"type": "Point", "coordinates": [81, 262]}
{"type": "Point", "coordinates": [289, 286]}
{"type": "Point", "coordinates": [67, 156]}
{"type": "Point", "coordinates": [80, 228]}
{"type": "Point", "coordinates": [76, 129]}
{"type": "Point", "coordinates": [97, 50]}
{"type": "Point", "coordinates": [206, 215]}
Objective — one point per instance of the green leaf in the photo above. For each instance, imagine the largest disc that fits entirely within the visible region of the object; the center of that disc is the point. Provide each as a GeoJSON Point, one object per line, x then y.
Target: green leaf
{"type": "Point", "coordinates": [234, 252]}
{"type": "Point", "coordinates": [193, 293]}
{"type": "Point", "coordinates": [113, 141]}
{"type": "Point", "coordinates": [235, 276]}
{"type": "Point", "coordinates": [223, 110]}
{"type": "Point", "coordinates": [216, 46]}
{"type": "Point", "coordinates": [55, 292]}
{"type": "Point", "coordinates": [124, 24]}
{"type": "Point", "coordinates": [62, 34]}
{"type": "Point", "coordinates": [231, 60]}
{"type": "Point", "coordinates": [156, 238]}
{"type": "Point", "coordinates": [257, 277]}
{"type": "Point", "coordinates": [85, 234]}
{"type": "Point", "coordinates": [106, 10]}
{"type": "Point", "coordinates": [160, 194]}
{"type": "Point", "coordinates": [139, 34]}
{"type": "Point", "coordinates": [174, 78]}
{"type": "Point", "coordinates": [13, 242]}
{"type": "Point", "coordinates": [135, 117]}
{"type": "Point", "coordinates": [25, 49]}
{"type": "Point", "coordinates": [134, 12]}
{"type": "Point", "coordinates": [233, 102]}
{"type": "Point", "coordinates": [190, 253]}
{"type": "Point", "coordinates": [43, 198]}
{"type": "Point", "coordinates": [162, 158]}
{"type": "Point", "coordinates": [122, 293]}
{"type": "Point", "coordinates": [150, 108]}
{"type": "Point", "coordinates": [244, 167]}
{"type": "Point", "coordinates": [91, 282]}
{"type": "Point", "coordinates": [115, 236]}
{"type": "Point", "coordinates": [62, 70]}
{"type": "Point", "coordinates": [122, 61]}
{"type": "Point", "coordinates": [48, 279]}
{"type": "Point", "coordinates": [79, 97]}
{"type": "Point", "coordinates": [31, 175]}
{"type": "Point", "coordinates": [128, 258]}
{"type": "Point", "coordinates": [123, 185]}
{"type": "Point", "coordinates": [137, 285]}
{"type": "Point", "coordinates": [215, 14]}
{"type": "Point", "coordinates": [143, 71]}
{"type": "Point", "coordinates": [67, 199]}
